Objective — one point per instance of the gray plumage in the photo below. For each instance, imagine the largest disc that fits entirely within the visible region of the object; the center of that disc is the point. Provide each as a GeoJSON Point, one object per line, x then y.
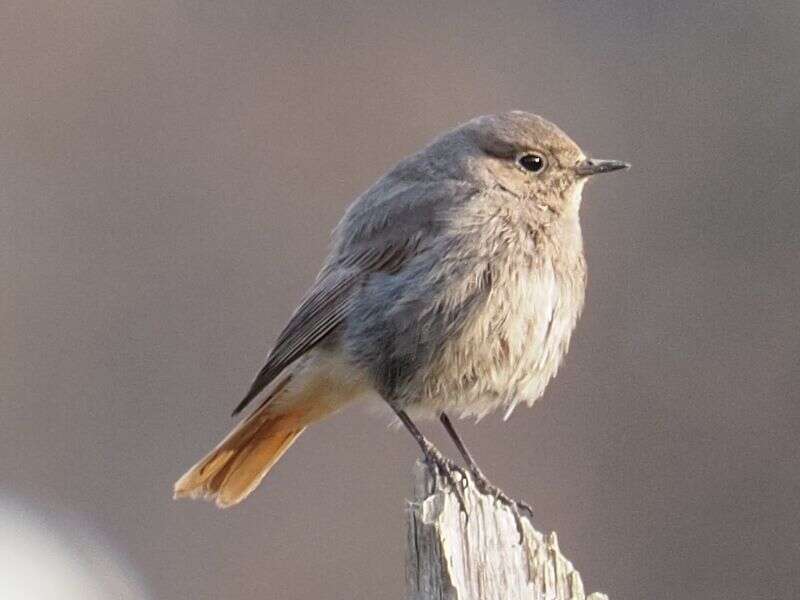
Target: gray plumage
{"type": "Point", "coordinates": [457, 279]}
{"type": "Point", "coordinates": [454, 283]}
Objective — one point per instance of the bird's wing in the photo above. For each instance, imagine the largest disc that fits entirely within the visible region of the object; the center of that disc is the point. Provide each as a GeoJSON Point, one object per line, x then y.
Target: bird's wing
{"type": "Point", "coordinates": [324, 307]}
{"type": "Point", "coordinates": [382, 235]}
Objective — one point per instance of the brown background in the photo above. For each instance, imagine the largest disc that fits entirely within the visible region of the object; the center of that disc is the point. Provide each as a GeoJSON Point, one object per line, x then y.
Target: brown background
{"type": "Point", "coordinates": [169, 175]}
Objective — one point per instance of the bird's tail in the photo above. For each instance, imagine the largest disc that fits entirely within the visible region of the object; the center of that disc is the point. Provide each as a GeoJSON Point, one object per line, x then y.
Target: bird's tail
{"type": "Point", "coordinates": [237, 465]}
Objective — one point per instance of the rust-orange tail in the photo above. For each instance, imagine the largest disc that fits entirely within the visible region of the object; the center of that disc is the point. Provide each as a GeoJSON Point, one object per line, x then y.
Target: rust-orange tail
{"type": "Point", "coordinates": [237, 465]}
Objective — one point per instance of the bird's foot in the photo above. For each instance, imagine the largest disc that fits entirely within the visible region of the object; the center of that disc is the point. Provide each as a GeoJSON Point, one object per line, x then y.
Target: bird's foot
{"type": "Point", "coordinates": [516, 507]}
{"type": "Point", "coordinates": [439, 464]}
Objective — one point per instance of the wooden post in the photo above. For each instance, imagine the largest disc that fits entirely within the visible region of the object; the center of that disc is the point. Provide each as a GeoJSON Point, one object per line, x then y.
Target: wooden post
{"type": "Point", "coordinates": [451, 558]}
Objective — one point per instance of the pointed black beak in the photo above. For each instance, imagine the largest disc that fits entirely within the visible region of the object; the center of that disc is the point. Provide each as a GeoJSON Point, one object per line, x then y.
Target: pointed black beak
{"type": "Point", "coordinates": [593, 166]}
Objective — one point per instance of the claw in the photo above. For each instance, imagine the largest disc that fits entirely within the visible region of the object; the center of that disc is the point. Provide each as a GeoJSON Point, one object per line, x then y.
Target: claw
{"type": "Point", "coordinates": [446, 468]}
{"type": "Point", "coordinates": [486, 487]}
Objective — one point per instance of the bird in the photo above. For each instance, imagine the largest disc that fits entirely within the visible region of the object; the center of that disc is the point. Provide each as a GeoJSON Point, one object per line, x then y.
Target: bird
{"type": "Point", "coordinates": [452, 287]}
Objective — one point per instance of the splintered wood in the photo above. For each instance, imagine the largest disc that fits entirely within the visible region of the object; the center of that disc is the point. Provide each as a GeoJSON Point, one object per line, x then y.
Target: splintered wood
{"type": "Point", "coordinates": [480, 558]}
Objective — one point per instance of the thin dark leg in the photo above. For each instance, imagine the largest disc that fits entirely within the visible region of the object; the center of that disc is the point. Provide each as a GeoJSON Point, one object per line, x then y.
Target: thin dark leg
{"type": "Point", "coordinates": [473, 466]}
{"type": "Point", "coordinates": [423, 442]}
{"type": "Point", "coordinates": [480, 479]}
{"type": "Point", "coordinates": [435, 459]}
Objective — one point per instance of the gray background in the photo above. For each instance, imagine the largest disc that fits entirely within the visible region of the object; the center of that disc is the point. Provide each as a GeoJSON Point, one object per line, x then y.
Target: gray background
{"type": "Point", "coordinates": [169, 175]}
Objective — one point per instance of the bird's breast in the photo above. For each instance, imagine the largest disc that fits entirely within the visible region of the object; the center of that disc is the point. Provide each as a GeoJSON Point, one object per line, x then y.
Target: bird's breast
{"type": "Point", "coordinates": [514, 343]}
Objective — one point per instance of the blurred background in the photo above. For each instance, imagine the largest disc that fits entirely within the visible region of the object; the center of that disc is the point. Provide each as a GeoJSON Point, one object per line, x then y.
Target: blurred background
{"type": "Point", "coordinates": [169, 176]}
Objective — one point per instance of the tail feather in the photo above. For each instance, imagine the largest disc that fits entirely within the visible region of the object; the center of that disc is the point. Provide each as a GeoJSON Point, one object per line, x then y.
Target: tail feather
{"type": "Point", "coordinates": [317, 386]}
{"type": "Point", "coordinates": [230, 472]}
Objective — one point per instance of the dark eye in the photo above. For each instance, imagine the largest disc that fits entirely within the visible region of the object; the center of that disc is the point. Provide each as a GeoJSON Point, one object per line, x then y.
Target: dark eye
{"type": "Point", "coordinates": [535, 163]}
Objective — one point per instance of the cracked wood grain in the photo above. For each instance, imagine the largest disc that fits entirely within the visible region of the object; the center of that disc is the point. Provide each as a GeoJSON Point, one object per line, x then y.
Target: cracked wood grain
{"type": "Point", "coordinates": [450, 557]}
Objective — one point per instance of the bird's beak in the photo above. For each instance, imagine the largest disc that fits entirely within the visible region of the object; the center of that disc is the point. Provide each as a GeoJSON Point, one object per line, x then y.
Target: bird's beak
{"type": "Point", "coordinates": [593, 166]}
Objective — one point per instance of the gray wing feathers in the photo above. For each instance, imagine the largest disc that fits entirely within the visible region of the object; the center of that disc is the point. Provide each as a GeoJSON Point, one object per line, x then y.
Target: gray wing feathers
{"type": "Point", "coordinates": [325, 307]}
{"type": "Point", "coordinates": [378, 234]}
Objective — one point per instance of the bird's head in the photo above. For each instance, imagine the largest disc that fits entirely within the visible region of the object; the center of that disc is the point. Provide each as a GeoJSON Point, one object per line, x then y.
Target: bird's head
{"type": "Point", "coordinates": [525, 155]}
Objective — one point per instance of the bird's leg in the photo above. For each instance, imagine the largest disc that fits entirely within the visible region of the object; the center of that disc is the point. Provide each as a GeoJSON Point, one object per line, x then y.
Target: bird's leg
{"type": "Point", "coordinates": [482, 483]}
{"type": "Point", "coordinates": [435, 460]}
{"type": "Point", "coordinates": [451, 431]}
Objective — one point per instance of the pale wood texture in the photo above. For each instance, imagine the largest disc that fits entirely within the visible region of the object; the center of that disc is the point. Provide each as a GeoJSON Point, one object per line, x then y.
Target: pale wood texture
{"type": "Point", "coordinates": [482, 558]}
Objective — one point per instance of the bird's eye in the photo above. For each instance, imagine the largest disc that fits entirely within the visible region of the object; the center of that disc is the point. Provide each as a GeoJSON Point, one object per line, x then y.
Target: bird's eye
{"type": "Point", "coordinates": [535, 163]}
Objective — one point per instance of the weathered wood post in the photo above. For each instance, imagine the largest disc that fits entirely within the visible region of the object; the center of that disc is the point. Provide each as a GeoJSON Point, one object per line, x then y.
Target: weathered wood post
{"type": "Point", "coordinates": [452, 558]}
